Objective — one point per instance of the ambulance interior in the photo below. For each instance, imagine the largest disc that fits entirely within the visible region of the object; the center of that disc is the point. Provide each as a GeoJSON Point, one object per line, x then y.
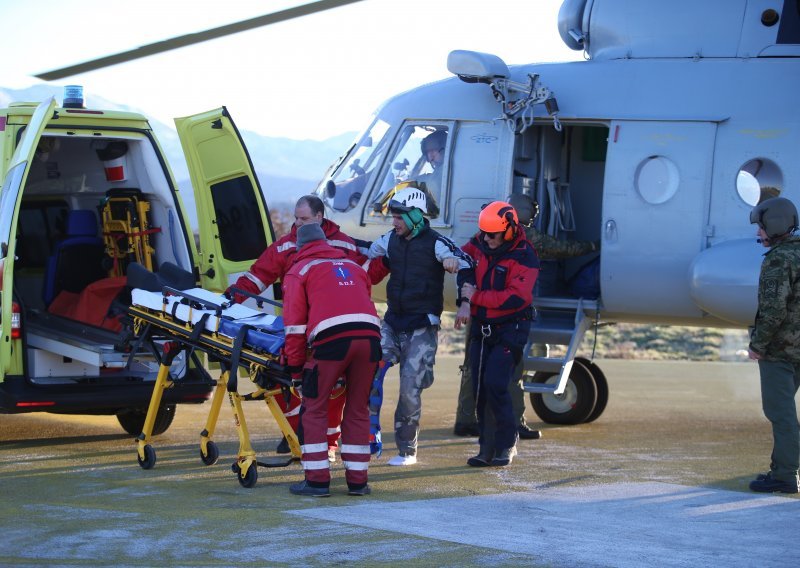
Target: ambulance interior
{"type": "Point", "coordinates": [90, 207]}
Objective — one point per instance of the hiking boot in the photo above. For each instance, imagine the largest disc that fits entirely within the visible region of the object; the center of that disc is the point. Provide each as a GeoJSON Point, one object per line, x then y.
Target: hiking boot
{"type": "Point", "coordinates": [466, 430]}
{"type": "Point", "coordinates": [359, 491]}
{"type": "Point", "coordinates": [527, 433]}
{"type": "Point", "coordinates": [403, 460]}
{"type": "Point", "coordinates": [483, 459]}
{"type": "Point", "coordinates": [768, 484]}
{"type": "Point", "coordinates": [504, 457]}
{"type": "Point", "coordinates": [303, 488]}
{"type": "Point", "coordinates": [283, 447]}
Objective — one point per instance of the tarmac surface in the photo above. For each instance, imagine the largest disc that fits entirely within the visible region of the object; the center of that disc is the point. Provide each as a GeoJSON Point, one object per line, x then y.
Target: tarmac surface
{"type": "Point", "coordinates": [659, 479]}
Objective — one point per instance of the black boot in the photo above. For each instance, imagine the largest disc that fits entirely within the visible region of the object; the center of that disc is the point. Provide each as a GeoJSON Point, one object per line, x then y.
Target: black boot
{"type": "Point", "coordinates": [504, 457]}
{"type": "Point", "coordinates": [484, 457]}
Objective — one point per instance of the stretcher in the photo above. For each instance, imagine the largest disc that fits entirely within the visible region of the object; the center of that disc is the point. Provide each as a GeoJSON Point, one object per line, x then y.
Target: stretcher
{"type": "Point", "coordinates": [230, 334]}
{"type": "Point", "coordinates": [126, 230]}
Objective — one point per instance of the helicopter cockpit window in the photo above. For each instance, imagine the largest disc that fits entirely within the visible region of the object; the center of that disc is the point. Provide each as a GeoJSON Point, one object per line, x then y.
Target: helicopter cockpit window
{"type": "Point", "coordinates": [351, 178]}
{"type": "Point", "coordinates": [759, 179]}
{"type": "Point", "coordinates": [419, 160]}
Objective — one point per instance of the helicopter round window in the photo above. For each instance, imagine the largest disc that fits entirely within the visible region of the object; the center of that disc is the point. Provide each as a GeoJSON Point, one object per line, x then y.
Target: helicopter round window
{"type": "Point", "coordinates": [657, 179]}
{"type": "Point", "coordinates": [759, 179]}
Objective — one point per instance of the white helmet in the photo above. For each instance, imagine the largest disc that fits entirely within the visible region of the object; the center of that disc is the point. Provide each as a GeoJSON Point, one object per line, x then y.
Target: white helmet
{"type": "Point", "coordinates": [408, 198]}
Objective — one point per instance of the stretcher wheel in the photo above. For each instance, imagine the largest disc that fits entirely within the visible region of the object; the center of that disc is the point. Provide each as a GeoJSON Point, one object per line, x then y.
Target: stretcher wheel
{"type": "Point", "coordinates": [149, 457]}
{"type": "Point", "coordinates": [213, 454]}
{"type": "Point", "coordinates": [248, 480]}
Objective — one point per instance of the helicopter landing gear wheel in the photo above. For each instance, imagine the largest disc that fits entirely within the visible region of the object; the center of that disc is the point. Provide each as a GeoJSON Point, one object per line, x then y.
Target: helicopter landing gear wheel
{"type": "Point", "coordinates": [149, 457]}
{"type": "Point", "coordinates": [575, 405]}
{"type": "Point", "coordinates": [602, 388]}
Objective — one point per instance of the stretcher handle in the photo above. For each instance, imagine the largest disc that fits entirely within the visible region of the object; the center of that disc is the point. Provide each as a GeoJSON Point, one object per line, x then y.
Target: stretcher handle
{"type": "Point", "coordinates": [259, 299]}
{"type": "Point", "coordinates": [218, 308]}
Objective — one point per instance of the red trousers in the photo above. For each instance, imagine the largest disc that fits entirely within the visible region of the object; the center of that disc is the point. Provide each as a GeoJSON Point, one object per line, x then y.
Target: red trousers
{"type": "Point", "coordinates": [358, 372]}
{"type": "Point", "coordinates": [292, 414]}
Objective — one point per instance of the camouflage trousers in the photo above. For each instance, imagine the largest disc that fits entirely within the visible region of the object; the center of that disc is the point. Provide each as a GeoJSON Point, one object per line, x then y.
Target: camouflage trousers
{"type": "Point", "coordinates": [415, 351]}
{"type": "Point", "coordinates": [465, 412]}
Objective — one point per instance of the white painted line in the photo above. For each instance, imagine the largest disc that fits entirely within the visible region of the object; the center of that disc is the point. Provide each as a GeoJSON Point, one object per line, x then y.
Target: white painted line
{"type": "Point", "coordinates": [623, 525]}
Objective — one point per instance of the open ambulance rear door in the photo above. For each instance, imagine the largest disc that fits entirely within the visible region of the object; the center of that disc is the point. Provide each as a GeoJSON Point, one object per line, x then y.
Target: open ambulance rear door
{"type": "Point", "coordinates": [232, 213]}
{"type": "Point", "coordinates": [10, 197]}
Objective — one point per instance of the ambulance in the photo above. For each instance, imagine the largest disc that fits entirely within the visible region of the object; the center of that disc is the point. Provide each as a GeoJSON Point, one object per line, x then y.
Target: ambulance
{"type": "Point", "coordinates": [85, 194]}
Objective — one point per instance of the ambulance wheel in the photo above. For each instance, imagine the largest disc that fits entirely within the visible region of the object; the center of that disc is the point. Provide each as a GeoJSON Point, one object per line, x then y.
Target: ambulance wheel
{"type": "Point", "coordinates": [149, 457]}
{"type": "Point", "coordinates": [602, 389]}
{"type": "Point", "coordinates": [213, 454]}
{"type": "Point", "coordinates": [132, 419]}
{"type": "Point", "coordinates": [574, 405]}
{"type": "Point", "coordinates": [250, 478]}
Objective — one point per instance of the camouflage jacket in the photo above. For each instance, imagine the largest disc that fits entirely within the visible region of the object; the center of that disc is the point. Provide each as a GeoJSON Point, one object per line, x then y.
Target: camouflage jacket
{"type": "Point", "coordinates": [548, 247]}
{"type": "Point", "coordinates": [776, 334]}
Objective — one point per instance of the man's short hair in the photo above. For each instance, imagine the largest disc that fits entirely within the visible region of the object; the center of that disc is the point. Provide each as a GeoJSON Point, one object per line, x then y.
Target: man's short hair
{"type": "Point", "coordinates": [314, 203]}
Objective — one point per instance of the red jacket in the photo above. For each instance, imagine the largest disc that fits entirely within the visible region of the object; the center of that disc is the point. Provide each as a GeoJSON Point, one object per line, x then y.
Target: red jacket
{"type": "Point", "coordinates": [276, 260]}
{"type": "Point", "coordinates": [326, 297]}
{"type": "Point", "coordinates": [505, 279]}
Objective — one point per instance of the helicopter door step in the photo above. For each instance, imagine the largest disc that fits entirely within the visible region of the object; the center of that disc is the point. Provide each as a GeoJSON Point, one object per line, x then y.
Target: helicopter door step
{"type": "Point", "coordinates": [554, 326]}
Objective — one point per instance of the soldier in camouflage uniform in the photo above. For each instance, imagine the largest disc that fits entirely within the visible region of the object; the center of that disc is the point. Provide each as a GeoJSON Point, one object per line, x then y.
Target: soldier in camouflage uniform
{"type": "Point", "coordinates": [416, 257]}
{"type": "Point", "coordinates": [775, 340]}
{"type": "Point", "coordinates": [547, 248]}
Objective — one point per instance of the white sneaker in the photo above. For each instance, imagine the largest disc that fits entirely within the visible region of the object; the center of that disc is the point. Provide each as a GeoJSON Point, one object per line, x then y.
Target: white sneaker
{"type": "Point", "coordinates": [403, 460]}
{"type": "Point", "coordinates": [332, 455]}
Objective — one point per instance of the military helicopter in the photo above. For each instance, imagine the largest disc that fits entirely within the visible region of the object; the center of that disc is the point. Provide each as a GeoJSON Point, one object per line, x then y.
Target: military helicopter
{"type": "Point", "coordinates": [681, 118]}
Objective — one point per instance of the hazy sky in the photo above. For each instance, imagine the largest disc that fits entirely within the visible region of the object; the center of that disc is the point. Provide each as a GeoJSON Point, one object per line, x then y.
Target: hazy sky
{"type": "Point", "coordinates": [313, 77]}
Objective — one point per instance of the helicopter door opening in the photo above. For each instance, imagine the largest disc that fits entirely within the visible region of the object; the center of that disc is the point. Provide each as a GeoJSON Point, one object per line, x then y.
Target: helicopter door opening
{"type": "Point", "coordinates": [563, 171]}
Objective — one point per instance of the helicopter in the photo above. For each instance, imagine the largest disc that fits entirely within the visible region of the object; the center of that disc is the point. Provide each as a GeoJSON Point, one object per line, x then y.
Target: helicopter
{"type": "Point", "coordinates": [679, 120]}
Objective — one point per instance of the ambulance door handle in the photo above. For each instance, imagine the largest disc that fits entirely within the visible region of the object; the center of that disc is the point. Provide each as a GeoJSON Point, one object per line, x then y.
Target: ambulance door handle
{"type": "Point", "coordinates": [610, 231]}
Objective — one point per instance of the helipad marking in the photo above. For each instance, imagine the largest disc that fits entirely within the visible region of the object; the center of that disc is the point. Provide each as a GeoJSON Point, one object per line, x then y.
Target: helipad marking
{"type": "Point", "coordinates": [610, 525]}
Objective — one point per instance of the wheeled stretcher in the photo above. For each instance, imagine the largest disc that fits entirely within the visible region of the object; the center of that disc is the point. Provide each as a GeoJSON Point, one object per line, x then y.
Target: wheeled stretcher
{"type": "Point", "coordinates": [233, 335]}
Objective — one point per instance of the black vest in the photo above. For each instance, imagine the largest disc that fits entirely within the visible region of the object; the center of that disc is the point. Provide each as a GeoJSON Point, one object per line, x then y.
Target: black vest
{"type": "Point", "coordinates": [416, 281]}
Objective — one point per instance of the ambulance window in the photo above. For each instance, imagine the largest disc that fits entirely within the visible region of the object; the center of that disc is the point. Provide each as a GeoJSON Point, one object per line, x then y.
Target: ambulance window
{"type": "Point", "coordinates": [351, 179]}
{"type": "Point", "coordinates": [241, 231]}
{"type": "Point", "coordinates": [759, 179]}
{"type": "Point", "coordinates": [419, 160]}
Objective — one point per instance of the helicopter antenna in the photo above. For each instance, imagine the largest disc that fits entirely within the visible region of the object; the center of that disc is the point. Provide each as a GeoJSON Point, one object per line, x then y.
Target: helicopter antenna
{"type": "Point", "coordinates": [193, 38]}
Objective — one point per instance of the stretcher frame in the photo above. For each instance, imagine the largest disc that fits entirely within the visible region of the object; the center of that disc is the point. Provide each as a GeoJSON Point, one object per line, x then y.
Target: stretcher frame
{"type": "Point", "coordinates": [263, 368]}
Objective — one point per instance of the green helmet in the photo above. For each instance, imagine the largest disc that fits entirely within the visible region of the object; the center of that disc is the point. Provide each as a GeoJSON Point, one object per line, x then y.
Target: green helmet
{"type": "Point", "coordinates": [777, 216]}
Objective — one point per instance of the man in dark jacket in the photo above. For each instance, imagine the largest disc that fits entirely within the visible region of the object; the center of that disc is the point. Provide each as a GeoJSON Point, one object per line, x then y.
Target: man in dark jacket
{"type": "Point", "coordinates": [417, 258]}
{"type": "Point", "coordinates": [327, 307]}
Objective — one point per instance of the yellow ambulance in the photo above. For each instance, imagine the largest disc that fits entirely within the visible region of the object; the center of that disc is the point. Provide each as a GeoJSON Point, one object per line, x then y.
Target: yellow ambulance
{"type": "Point", "coordinates": [85, 193]}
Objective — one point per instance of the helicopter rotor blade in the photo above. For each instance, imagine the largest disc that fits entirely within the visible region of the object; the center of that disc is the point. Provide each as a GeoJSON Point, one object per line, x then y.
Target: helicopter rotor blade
{"type": "Point", "coordinates": [193, 38]}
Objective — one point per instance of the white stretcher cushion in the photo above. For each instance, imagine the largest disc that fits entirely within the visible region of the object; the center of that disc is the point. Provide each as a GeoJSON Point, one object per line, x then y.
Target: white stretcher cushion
{"type": "Point", "coordinates": [267, 332]}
